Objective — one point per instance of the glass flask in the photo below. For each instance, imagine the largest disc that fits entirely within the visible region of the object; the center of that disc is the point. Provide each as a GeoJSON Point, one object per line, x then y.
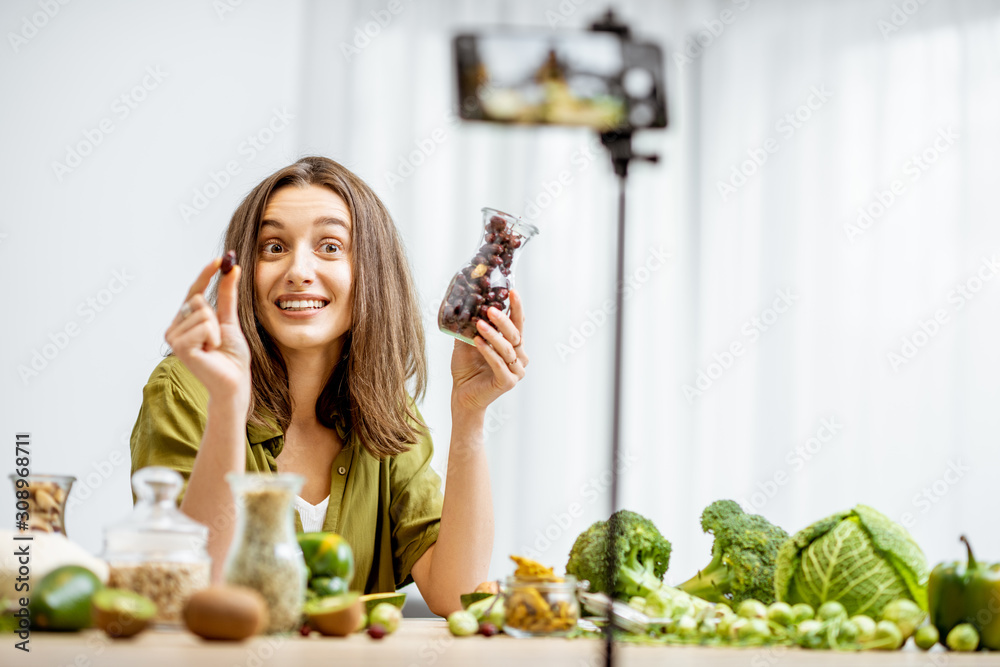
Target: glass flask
{"type": "Point", "coordinates": [265, 553]}
{"type": "Point", "coordinates": [486, 280]}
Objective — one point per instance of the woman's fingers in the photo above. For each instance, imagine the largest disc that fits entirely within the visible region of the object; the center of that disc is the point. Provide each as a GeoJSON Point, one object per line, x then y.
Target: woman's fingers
{"type": "Point", "coordinates": [511, 327]}
{"type": "Point", "coordinates": [197, 316]}
{"type": "Point", "coordinates": [507, 375]}
{"type": "Point", "coordinates": [505, 326]}
{"type": "Point", "coordinates": [228, 296]}
{"type": "Point", "coordinates": [204, 278]}
{"type": "Point", "coordinates": [500, 343]}
{"type": "Point", "coordinates": [202, 336]}
{"type": "Point", "coordinates": [187, 310]}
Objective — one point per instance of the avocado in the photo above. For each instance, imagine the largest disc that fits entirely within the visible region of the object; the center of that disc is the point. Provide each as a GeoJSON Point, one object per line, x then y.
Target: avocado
{"type": "Point", "coordinates": [62, 599]}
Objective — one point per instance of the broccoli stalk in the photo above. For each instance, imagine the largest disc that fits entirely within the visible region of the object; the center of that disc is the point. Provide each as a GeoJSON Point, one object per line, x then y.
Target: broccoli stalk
{"type": "Point", "coordinates": [624, 556]}
{"type": "Point", "coordinates": [743, 556]}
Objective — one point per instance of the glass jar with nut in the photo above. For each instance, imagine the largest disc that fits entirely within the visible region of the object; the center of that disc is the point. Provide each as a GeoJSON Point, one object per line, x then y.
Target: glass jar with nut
{"type": "Point", "coordinates": [540, 607]}
{"type": "Point", "coordinates": [45, 499]}
{"type": "Point", "coordinates": [487, 279]}
{"type": "Point", "coordinates": [159, 552]}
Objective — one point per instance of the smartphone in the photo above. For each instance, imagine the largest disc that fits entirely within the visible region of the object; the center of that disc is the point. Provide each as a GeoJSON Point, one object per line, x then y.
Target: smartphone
{"type": "Point", "coordinates": [544, 77]}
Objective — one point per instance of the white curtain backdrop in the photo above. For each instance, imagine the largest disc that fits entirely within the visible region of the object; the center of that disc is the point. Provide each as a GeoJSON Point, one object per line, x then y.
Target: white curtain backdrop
{"type": "Point", "coordinates": [762, 316]}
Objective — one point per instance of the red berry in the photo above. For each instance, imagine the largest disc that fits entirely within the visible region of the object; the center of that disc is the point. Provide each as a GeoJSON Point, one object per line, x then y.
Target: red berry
{"type": "Point", "coordinates": [305, 630]}
{"type": "Point", "coordinates": [376, 631]}
{"type": "Point", "coordinates": [487, 629]}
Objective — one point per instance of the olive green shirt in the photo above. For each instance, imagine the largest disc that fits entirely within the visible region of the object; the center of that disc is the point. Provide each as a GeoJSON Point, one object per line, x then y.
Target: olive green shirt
{"type": "Point", "coordinates": [388, 510]}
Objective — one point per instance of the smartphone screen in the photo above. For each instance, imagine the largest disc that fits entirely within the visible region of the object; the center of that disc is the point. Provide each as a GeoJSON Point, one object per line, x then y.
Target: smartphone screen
{"type": "Point", "coordinates": [592, 79]}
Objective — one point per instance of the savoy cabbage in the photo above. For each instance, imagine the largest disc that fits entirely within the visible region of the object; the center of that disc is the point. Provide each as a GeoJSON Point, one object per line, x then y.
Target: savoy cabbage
{"type": "Point", "coordinates": [859, 558]}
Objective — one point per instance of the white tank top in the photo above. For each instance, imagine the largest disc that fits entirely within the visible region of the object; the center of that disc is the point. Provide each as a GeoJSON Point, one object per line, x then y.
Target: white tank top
{"type": "Point", "coordinates": [312, 515]}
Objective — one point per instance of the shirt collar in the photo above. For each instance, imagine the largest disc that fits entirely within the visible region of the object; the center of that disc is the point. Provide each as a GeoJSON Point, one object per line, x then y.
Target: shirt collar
{"type": "Point", "coordinates": [260, 434]}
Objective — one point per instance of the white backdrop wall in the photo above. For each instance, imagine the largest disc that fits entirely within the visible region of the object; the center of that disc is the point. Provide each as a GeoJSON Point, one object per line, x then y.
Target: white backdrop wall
{"type": "Point", "coordinates": [814, 413]}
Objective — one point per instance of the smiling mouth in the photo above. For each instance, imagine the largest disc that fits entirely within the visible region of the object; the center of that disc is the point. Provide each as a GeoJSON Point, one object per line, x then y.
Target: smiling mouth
{"type": "Point", "coordinates": [306, 304]}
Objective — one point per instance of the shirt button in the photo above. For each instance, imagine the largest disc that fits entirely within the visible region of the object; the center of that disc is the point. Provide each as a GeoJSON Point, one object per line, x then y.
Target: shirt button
{"type": "Point", "coordinates": [342, 470]}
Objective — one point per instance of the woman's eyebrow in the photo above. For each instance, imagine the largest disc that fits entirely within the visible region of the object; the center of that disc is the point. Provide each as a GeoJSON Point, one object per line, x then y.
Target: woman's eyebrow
{"type": "Point", "coordinates": [324, 221]}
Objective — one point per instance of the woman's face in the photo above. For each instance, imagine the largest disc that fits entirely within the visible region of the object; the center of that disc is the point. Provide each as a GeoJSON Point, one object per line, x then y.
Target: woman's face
{"type": "Point", "coordinates": [303, 281]}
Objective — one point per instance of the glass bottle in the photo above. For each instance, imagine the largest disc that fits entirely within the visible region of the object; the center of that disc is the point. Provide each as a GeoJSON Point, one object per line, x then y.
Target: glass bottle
{"type": "Point", "coordinates": [265, 553]}
{"type": "Point", "coordinates": [158, 551]}
{"type": "Point", "coordinates": [45, 503]}
{"type": "Point", "coordinates": [486, 280]}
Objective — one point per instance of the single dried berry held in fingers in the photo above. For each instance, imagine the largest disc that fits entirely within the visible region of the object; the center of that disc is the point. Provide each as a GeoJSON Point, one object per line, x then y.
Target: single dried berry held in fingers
{"type": "Point", "coordinates": [228, 261]}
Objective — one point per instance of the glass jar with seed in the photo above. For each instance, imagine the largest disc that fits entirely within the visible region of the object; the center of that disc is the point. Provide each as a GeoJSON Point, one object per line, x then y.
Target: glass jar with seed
{"type": "Point", "coordinates": [265, 553]}
{"type": "Point", "coordinates": [158, 551]}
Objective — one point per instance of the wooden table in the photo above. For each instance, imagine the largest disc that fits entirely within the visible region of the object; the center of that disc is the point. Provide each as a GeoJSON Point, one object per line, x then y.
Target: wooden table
{"type": "Point", "coordinates": [427, 643]}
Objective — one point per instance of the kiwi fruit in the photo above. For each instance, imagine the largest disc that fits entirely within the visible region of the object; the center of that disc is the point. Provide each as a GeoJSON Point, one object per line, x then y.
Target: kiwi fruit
{"type": "Point", "coordinates": [337, 616]}
{"type": "Point", "coordinates": [121, 613]}
{"type": "Point", "coordinates": [226, 612]}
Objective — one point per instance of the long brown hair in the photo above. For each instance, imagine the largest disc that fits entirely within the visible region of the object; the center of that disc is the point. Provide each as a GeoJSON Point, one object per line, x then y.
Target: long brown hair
{"type": "Point", "coordinates": [384, 351]}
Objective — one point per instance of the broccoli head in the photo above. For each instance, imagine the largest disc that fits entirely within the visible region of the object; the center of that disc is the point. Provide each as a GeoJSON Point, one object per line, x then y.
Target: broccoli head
{"type": "Point", "coordinates": [623, 556]}
{"type": "Point", "coordinates": [744, 556]}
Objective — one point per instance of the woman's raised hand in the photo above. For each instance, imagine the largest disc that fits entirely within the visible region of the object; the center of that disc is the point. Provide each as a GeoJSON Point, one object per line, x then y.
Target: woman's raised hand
{"type": "Point", "coordinates": [211, 344]}
{"type": "Point", "coordinates": [496, 364]}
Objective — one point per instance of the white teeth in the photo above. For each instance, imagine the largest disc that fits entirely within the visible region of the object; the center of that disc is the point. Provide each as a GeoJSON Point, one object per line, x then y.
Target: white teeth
{"type": "Point", "coordinates": [301, 305]}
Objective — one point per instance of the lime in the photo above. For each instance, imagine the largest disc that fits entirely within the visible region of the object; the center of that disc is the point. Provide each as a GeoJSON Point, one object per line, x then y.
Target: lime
{"type": "Point", "coordinates": [327, 586]}
{"type": "Point", "coordinates": [62, 599]}
{"type": "Point", "coordinates": [327, 555]}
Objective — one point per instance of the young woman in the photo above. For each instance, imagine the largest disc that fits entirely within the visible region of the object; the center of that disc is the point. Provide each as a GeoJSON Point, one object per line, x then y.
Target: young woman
{"type": "Point", "coordinates": [302, 366]}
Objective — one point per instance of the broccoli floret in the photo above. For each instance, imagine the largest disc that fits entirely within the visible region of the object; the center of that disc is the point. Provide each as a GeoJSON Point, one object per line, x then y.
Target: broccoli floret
{"type": "Point", "coordinates": [743, 556]}
{"type": "Point", "coordinates": [624, 556]}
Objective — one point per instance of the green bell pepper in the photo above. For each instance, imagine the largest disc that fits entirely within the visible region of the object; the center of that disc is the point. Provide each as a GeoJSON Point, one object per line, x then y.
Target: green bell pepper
{"type": "Point", "coordinates": [966, 593]}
